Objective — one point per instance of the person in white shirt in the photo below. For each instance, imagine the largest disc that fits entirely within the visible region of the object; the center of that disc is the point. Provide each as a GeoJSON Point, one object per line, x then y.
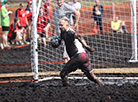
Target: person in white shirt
{"type": "Point", "coordinates": [75, 4]}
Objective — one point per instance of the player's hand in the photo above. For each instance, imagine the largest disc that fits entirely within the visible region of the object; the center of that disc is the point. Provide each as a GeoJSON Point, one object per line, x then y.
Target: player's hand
{"type": "Point", "coordinates": [10, 12]}
{"type": "Point", "coordinates": [91, 49]}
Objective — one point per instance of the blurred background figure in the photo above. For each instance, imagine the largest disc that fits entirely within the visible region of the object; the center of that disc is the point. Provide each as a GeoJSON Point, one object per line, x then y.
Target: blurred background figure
{"type": "Point", "coordinates": [97, 15]}
{"type": "Point", "coordinates": [21, 14]}
{"type": "Point", "coordinates": [64, 10]}
{"type": "Point", "coordinates": [47, 9]}
{"type": "Point", "coordinates": [118, 26]}
{"type": "Point", "coordinates": [29, 19]}
{"type": "Point", "coordinates": [5, 23]}
{"type": "Point", "coordinates": [14, 34]}
{"type": "Point", "coordinates": [77, 6]}
{"type": "Point", "coordinates": [43, 24]}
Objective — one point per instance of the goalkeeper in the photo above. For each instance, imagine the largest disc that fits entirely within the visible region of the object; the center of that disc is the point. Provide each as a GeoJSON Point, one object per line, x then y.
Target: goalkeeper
{"type": "Point", "coordinates": [77, 54]}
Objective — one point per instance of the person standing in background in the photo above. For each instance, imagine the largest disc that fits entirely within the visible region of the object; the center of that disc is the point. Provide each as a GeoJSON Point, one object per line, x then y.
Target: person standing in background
{"type": "Point", "coordinates": [77, 6]}
{"type": "Point", "coordinates": [29, 18]}
{"type": "Point", "coordinates": [43, 24]}
{"type": "Point", "coordinates": [21, 14]}
{"type": "Point", "coordinates": [5, 23]}
{"type": "Point", "coordinates": [2, 2]}
{"type": "Point", "coordinates": [98, 15]}
{"type": "Point", "coordinates": [47, 9]}
{"type": "Point", "coordinates": [64, 10]}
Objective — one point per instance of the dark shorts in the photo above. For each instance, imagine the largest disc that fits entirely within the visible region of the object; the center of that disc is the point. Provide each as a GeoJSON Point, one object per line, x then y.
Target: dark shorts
{"type": "Point", "coordinates": [98, 19]}
{"type": "Point", "coordinates": [5, 29]}
{"type": "Point", "coordinates": [13, 36]}
{"type": "Point", "coordinates": [80, 61]}
{"type": "Point", "coordinates": [25, 27]}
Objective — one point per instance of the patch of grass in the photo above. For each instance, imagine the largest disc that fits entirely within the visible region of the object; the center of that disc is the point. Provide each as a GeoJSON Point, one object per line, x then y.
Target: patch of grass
{"type": "Point", "coordinates": [106, 2]}
{"type": "Point", "coordinates": [17, 4]}
{"type": "Point", "coordinates": [83, 3]}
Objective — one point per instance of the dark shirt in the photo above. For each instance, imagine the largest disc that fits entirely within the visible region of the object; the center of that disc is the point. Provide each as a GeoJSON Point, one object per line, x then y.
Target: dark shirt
{"type": "Point", "coordinates": [100, 9]}
{"type": "Point", "coordinates": [69, 38]}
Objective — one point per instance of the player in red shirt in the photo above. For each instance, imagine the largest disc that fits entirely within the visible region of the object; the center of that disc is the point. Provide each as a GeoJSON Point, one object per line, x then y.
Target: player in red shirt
{"type": "Point", "coordinates": [47, 9]}
{"type": "Point", "coordinates": [21, 14]}
{"type": "Point", "coordinates": [14, 32]}
{"type": "Point", "coordinates": [29, 18]}
{"type": "Point", "coordinates": [43, 24]}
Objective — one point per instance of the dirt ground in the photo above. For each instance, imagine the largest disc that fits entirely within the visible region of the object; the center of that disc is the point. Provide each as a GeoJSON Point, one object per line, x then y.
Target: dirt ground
{"type": "Point", "coordinates": [30, 92]}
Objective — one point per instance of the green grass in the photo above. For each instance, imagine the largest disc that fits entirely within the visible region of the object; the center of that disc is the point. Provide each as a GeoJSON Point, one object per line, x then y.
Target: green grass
{"type": "Point", "coordinates": [83, 3]}
{"type": "Point", "coordinates": [92, 3]}
{"type": "Point", "coordinates": [17, 4]}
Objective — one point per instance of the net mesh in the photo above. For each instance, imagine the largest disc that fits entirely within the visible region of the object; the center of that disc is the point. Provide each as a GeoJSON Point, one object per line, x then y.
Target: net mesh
{"type": "Point", "coordinates": [111, 50]}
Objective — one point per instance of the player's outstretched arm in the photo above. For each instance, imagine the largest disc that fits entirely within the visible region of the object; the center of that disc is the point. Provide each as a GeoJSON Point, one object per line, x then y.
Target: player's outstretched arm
{"type": "Point", "coordinates": [91, 49]}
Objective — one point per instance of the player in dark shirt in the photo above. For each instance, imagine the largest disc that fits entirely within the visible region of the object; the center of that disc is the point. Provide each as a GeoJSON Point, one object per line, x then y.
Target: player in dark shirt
{"type": "Point", "coordinates": [78, 57]}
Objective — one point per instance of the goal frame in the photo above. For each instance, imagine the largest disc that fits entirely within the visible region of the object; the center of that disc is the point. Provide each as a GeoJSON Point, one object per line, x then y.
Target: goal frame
{"type": "Point", "coordinates": [35, 45]}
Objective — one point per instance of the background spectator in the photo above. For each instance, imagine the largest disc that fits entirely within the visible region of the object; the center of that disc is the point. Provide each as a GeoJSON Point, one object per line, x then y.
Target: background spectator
{"type": "Point", "coordinates": [77, 6]}
{"type": "Point", "coordinates": [21, 14]}
{"type": "Point", "coordinates": [64, 10]}
{"type": "Point", "coordinates": [15, 33]}
{"type": "Point", "coordinates": [2, 2]}
{"type": "Point", "coordinates": [29, 18]}
{"type": "Point", "coordinates": [47, 9]}
{"type": "Point", "coordinates": [98, 15]}
{"type": "Point", "coordinates": [117, 26]}
{"type": "Point", "coordinates": [5, 23]}
{"type": "Point", "coordinates": [43, 24]}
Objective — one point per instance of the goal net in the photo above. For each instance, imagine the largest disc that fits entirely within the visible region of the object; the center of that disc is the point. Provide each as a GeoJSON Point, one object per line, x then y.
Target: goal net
{"type": "Point", "coordinates": [113, 51]}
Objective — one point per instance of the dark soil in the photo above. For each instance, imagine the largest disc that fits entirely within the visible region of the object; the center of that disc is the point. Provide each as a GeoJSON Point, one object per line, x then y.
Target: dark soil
{"type": "Point", "coordinates": [30, 92]}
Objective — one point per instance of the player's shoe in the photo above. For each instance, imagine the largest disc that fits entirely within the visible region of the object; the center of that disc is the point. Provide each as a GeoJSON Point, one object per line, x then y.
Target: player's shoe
{"type": "Point", "coordinates": [65, 83]}
{"type": "Point", "coordinates": [25, 42]}
{"type": "Point", "coordinates": [21, 43]}
{"type": "Point", "coordinates": [1, 45]}
{"type": "Point", "coordinates": [16, 43]}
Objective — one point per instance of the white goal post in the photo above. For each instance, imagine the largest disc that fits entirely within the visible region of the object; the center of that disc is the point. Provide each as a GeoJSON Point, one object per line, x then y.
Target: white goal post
{"type": "Point", "coordinates": [134, 35]}
{"type": "Point", "coordinates": [111, 50]}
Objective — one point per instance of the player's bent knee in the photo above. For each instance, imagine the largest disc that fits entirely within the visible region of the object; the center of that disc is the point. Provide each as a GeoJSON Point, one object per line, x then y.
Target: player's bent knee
{"type": "Point", "coordinates": [62, 74]}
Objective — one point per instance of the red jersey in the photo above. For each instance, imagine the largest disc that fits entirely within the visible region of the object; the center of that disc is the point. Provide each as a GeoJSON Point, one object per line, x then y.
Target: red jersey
{"type": "Point", "coordinates": [47, 12]}
{"type": "Point", "coordinates": [29, 16]}
{"type": "Point", "coordinates": [42, 22]}
{"type": "Point", "coordinates": [21, 14]}
{"type": "Point", "coordinates": [12, 28]}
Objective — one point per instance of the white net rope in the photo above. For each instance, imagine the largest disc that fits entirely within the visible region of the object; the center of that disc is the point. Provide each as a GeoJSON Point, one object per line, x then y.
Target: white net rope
{"type": "Point", "coordinates": [111, 50]}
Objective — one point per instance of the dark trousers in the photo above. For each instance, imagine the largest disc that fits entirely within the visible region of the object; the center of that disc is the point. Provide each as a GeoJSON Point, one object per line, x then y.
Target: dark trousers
{"type": "Point", "coordinates": [98, 20]}
{"type": "Point", "coordinates": [80, 61]}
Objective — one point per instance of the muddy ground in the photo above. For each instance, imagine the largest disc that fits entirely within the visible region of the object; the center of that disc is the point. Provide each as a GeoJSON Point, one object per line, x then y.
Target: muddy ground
{"type": "Point", "coordinates": [30, 92]}
{"type": "Point", "coordinates": [53, 91]}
